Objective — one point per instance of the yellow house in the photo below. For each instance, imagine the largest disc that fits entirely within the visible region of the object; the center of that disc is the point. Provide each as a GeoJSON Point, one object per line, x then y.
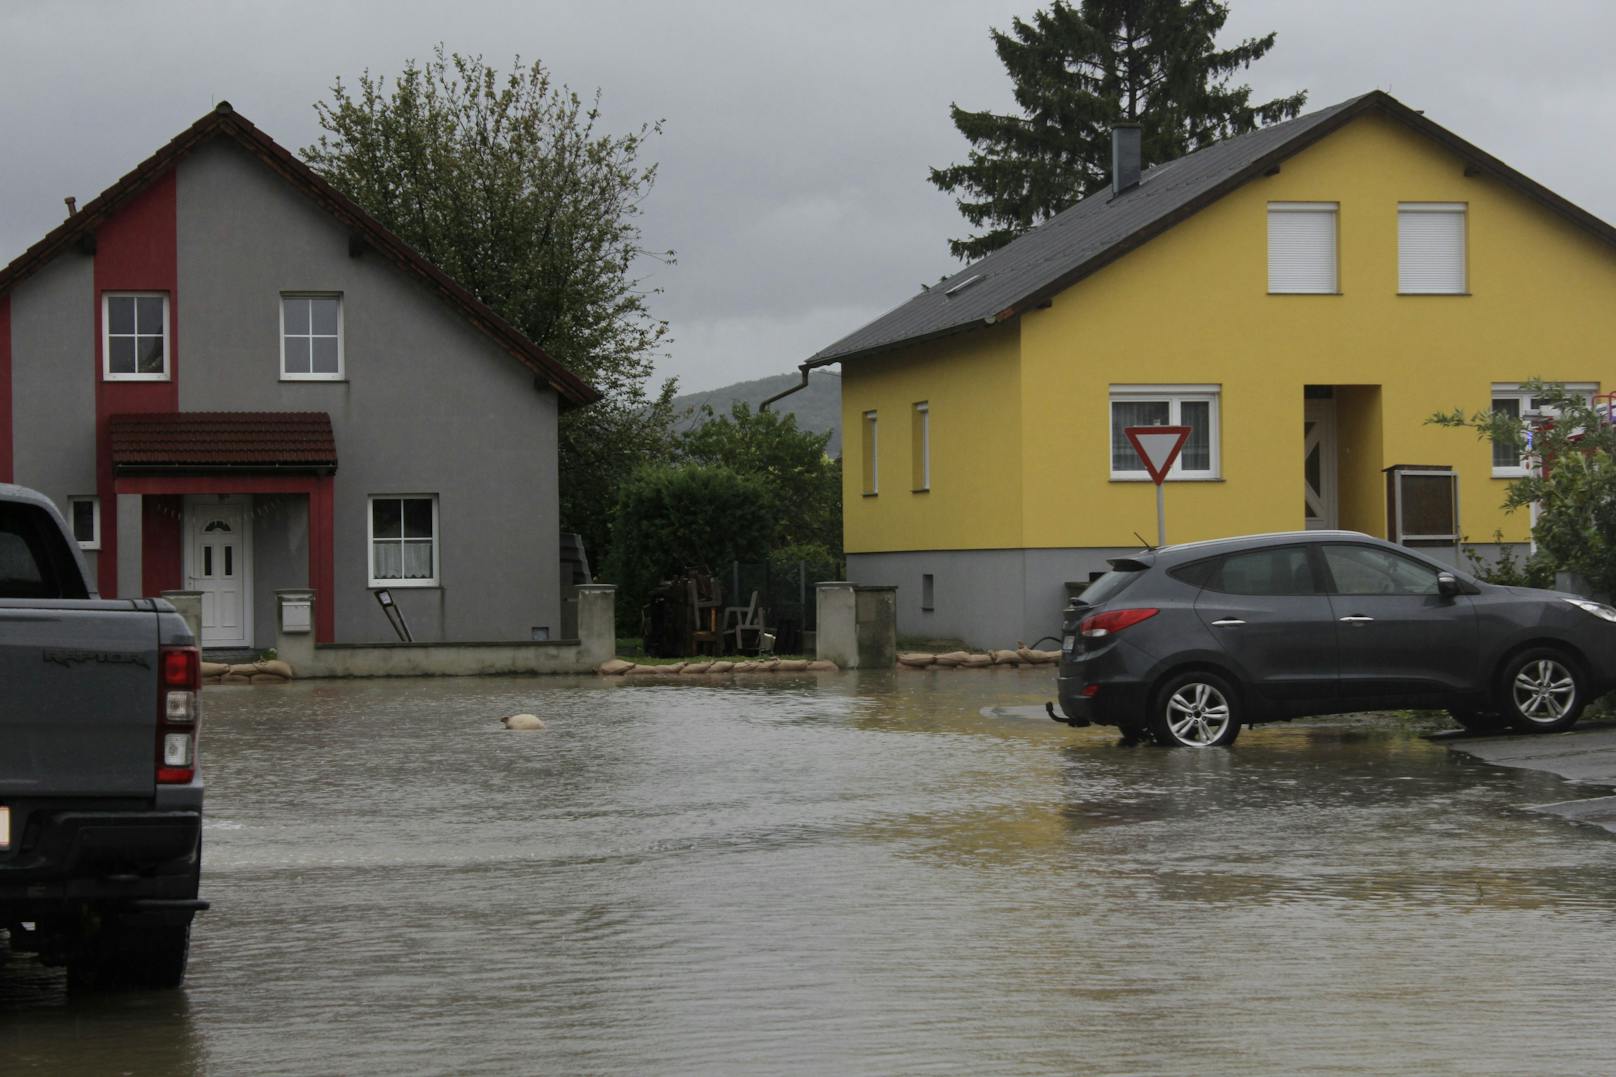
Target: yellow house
{"type": "Point", "coordinates": [1302, 297]}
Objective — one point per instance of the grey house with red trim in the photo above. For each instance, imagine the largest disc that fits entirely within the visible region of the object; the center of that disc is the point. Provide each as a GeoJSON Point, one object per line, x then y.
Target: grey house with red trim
{"type": "Point", "coordinates": [234, 380]}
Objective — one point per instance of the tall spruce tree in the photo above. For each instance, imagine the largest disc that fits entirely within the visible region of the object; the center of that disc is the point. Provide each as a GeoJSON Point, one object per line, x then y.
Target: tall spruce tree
{"type": "Point", "coordinates": [1078, 71]}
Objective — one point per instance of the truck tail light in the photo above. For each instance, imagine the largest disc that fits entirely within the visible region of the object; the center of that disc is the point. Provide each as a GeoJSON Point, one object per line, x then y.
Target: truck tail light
{"type": "Point", "coordinates": [179, 714]}
{"type": "Point", "coordinates": [1111, 622]}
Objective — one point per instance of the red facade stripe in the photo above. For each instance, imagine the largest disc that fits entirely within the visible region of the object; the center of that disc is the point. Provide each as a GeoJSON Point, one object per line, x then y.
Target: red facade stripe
{"type": "Point", "coordinates": [136, 250]}
{"type": "Point", "coordinates": [6, 452]}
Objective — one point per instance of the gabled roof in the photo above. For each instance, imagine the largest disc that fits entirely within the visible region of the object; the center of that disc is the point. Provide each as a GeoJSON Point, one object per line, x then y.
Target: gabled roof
{"type": "Point", "coordinates": [222, 440]}
{"type": "Point", "coordinates": [226, 122]}
{"type": "Point", "coordinates": [1103, 227]}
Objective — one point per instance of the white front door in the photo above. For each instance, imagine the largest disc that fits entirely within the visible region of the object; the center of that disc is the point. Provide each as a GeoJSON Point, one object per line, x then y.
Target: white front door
{"type": "Point", "coordinates": [1318, 463]}
{"type": "Point", "coordinates": [218, 558]}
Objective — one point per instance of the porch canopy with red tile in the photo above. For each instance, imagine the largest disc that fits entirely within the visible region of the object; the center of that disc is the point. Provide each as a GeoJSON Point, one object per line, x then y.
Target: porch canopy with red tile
{"type": "Point", "coordinates": [155, 454]}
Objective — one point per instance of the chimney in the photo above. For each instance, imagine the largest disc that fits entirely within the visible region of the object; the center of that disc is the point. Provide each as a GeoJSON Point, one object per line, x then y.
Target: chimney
{"type": "Point", "coordinates": [72, 205]}
{"type": "Point", "coordinates": [1125, 138]}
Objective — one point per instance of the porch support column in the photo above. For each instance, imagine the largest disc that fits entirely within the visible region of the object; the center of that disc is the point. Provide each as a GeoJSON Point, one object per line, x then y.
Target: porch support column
{"type": "Point", "coordinates": [130, 577]}
{"type": "Point", "coordinates": [322, 558]}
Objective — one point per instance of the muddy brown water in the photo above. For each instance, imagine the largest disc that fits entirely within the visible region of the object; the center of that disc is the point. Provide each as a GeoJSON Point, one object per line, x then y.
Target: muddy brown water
{"type": "Point", "coordinates": [880, 873]}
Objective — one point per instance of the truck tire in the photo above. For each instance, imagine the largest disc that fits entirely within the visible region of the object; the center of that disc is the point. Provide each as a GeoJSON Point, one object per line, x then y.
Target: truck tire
{"type": "Point", "coordinates": [123, 954]}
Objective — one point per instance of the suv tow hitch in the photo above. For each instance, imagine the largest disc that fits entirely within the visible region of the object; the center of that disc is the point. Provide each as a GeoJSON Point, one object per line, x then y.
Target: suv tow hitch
{"type": "Point", "coordinates": [1055, 715]}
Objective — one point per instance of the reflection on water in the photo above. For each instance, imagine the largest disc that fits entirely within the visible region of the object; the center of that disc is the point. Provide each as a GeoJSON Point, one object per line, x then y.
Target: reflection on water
{"type": "Point", "coordinates": [859, 873]}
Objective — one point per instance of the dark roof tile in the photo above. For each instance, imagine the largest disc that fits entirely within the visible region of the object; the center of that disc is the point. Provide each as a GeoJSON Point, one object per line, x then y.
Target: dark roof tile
{"type": "Point", "coordinates": [214, 440]}
{"type": "Point", "coordinates": [1101, 228]}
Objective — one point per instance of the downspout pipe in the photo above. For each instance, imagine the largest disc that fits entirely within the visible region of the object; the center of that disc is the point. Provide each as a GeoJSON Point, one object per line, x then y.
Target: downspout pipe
{"type": "Point", "coordinates": [804, 367]}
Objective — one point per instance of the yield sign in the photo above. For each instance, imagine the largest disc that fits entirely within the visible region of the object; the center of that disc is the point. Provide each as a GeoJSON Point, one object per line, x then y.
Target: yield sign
{"type": "Point", "coordinates": [1157, 446]}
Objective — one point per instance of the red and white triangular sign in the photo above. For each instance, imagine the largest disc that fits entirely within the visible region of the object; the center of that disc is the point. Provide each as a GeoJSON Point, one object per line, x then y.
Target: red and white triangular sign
{"type": "Point", "coordinates": [1157, 446]}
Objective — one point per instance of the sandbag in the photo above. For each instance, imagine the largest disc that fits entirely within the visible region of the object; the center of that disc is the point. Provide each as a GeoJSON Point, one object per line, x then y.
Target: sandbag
{"type": "Point", "coordinates": [267, 678]}
{"type": "Point", "coordinates": [242, 669]}
{"type": "Point", "coordinates": [977, 661]}
{"type": "Point", "coordinates": [791, 665]}
{"type": "Point", "coordinates": [215, 669]}
{"type": "Point", "coordinates": [720, 667]}
{"type": "Point", "coordinates": [917, 659]}
{"type": "Point", "coordinates": [696, 667]}
{"type": "Point", "coordinates": [952, 658]}
{"type": "Point", "coordinates": [644, 671]}
{"type": "Point", "coordinates": [236, 678]}
{"type": "Point", "coordinates": [274, 666]}
{"type": "Point", "coordinates": [614, 666]}
{"type": "Point", "coordinates": [1005, 658]}
{"type": "Point", "coordinates": [823, 665]}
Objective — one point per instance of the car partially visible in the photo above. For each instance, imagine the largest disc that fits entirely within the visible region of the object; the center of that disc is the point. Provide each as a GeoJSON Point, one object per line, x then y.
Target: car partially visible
{"type": "Point", "coordinates": [1185, 645]}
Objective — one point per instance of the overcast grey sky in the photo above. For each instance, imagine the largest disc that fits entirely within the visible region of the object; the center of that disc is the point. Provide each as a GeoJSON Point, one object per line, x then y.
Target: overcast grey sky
{"type": "Point", "coordinates": [797, 138]}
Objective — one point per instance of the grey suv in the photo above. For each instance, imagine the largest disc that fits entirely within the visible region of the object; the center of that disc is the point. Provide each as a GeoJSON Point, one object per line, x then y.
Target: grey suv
{"type": "Point", "coordinates": [1186, 644]}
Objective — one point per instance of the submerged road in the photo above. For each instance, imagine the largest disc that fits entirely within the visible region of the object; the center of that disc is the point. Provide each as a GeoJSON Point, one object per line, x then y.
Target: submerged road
{"type": "Point", "coordinates": [1583, 755]}
{"type": "Point", "coordinates": [890, 872]}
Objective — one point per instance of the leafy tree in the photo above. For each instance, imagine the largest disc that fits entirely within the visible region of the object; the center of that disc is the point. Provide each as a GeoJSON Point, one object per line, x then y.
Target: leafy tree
{"type": "Point", "coordinates": [803, 485]}
{"type": "Point", "coordinates": [506, 184]}
{"type": "Point", "coordinates": [1572, 480]}
{"type": "Point", "coordinates": [1079, 70]}
{"type": "Point", "coordinates": [671, 517]}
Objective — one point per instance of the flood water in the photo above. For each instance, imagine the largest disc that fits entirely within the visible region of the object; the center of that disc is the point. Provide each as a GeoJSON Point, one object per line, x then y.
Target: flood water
{"type": "Point", "coordinates": [854, 874]}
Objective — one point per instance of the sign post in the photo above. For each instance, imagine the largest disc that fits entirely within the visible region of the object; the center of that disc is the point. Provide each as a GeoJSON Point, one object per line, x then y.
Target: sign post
{"type": "Point", "coordinates": [1158, 447]}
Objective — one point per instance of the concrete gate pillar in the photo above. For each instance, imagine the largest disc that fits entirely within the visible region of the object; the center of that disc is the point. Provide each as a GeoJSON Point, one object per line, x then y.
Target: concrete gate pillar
{"type": "Point", "coordinates": [597, 623]}
{"type": "Point", "coordinates": [858, 626]}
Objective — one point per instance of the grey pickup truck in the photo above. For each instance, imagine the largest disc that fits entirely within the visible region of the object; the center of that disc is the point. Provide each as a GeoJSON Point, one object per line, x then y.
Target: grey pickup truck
{"type": "Point", "coordinates": [100, 785]}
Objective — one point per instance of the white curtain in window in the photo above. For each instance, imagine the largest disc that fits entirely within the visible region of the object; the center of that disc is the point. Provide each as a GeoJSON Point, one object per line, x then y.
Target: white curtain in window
{"type": "Point", "coordinates": [1126, 413]}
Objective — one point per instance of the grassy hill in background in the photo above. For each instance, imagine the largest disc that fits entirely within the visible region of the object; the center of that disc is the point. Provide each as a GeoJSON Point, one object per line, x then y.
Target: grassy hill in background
{"type": "Point", "coordinates": [817, 408]}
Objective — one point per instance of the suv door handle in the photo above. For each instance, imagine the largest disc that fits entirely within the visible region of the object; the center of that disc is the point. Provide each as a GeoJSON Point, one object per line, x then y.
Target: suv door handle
{"type": "Point", "coordinates": [1227, 621]}
{"type": "Point", "coordinates": [1357, 620]}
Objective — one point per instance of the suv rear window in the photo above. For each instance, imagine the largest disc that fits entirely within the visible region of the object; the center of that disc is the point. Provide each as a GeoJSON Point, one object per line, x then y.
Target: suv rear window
{"type": "Point", "coordinates": [34, 559]}
{"type": "Point", "coordinates": [1112, 583]}
{"type": "Point", "coordinates": [1282, 570]}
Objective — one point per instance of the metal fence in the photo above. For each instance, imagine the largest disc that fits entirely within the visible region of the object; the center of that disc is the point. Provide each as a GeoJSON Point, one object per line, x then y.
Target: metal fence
{"type": "Point", "coordinates": [785, 590]}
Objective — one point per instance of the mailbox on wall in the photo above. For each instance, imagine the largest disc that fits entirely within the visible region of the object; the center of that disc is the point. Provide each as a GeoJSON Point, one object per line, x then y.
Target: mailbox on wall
{"type": "Point", "coordinates": [1422, 505]}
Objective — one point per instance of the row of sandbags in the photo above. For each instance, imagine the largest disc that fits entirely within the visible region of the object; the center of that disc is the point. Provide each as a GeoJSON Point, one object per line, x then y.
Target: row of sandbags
{"type": "Point", "coordinates": [617, 667]}
{"type": "Point", "coordinates": [266, 671]}
{"type": "Point", "coordinates": [1021, 656]}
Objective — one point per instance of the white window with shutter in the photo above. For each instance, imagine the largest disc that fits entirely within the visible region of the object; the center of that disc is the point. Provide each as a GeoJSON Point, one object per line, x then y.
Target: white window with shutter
{"type": "Point", "coordinates": [1431, 248]}
{"type": "Point", "coordinates": [1302, 248]}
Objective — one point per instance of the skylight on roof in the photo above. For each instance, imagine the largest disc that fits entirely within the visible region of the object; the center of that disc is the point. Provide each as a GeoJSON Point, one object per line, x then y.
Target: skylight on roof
{"type": "Point", "coordinates": [964, 284]}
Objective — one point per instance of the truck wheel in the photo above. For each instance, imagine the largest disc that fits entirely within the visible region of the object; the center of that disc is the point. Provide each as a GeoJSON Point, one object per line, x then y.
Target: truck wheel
{"type": "Point", "coordinates": [140, 956]}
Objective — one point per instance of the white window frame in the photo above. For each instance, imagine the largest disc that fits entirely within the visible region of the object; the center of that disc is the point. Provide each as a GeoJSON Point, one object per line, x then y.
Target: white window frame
{"type": "Point", "coordinates": [922, 415]}
{"type": "Point", "coordinates": [1510, 390]}
{"type": "Point", "coordinates": [1175, 397]}
{"type": "Point", "coordinates": [1333, 209]}
{"type": "Point", "coordinates": [107, 373]}
{"type": "Point", "coordinates": [1459, 209]}
{"type": "Point", "coordinates": [871, 432]}
{"type": "Point", "coordinates": [370, 541]}
{"type": "Point", "coordinates": [342, 360]}
{"type": "Point", "coordinates": [94, 542]}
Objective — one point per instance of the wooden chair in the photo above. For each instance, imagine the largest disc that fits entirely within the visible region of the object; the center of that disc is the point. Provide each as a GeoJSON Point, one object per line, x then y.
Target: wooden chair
{"type": "Point", "coordinates": [745, 621]}
{"type": "Point", "coordinates": [704, 634]}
